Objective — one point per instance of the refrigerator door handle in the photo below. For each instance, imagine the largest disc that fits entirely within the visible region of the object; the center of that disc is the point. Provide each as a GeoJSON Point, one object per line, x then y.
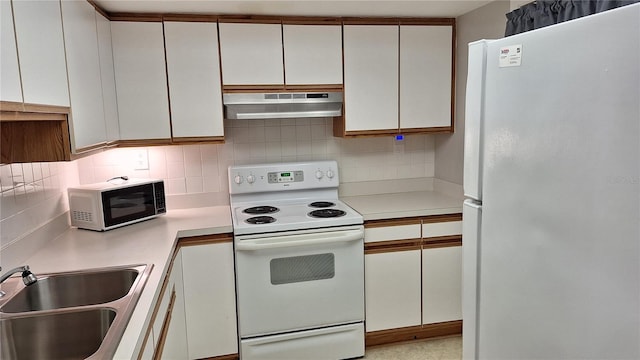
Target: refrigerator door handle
{"type": "Point", "coordinates": [474, 119]}
{"type": "Point", "coordinates": [471, 230]}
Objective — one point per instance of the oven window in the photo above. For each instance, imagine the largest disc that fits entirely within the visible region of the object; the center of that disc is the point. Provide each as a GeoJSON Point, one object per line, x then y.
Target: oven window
{"type": "Point", "coordinates": [302, 268]}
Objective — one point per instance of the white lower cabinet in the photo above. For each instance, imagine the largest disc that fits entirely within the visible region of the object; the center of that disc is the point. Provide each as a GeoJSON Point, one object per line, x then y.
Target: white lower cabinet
{"type": "Point", "coordinates": [195, 316]}
{"type": "Point", "coordinates": [166, 338]}
{"type": "Point", "coordinates": [413, 275]}
{"type": "Point", "coordinates": [392, 290]}
{"type": "Point", "coordinates": [441, 284]}
{"type": "Point", "coordinates": [210, 299]}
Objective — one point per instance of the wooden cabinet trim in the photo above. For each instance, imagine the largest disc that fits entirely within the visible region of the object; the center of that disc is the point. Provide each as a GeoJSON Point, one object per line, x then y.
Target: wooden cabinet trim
{"type": "Point", "coordinates": [441, 241]}
{"type": "Point", "coordinates": [144, 142]}
{"type": "Point", "coordinates": [311, 20]}
{"type": "Point", "coordinates": [255, 19]}
{"type": "Point", "coordinates": [20, 108]}
{"type": "Point", "coordinates": [157, 353]}
{"type": "Point", "coordinates": [427, 21]}
{"type": "Point", "coordinates": [228, 89]}
{"type": "Point", "coordinates": [432, 130]}
{"type": "Point", "coordinates": [378, 247]}
{"type": "Point", "coordinates": [370, 21]}
{"type": "Point", "coordinates": [413, 220]}
{"type": "Point", "coordinates": [11, 106]}
{"type": "Point", "coordinates": [223, 357]}
{"type": "Point", "coordinates": [197, 140]}
{"type": "Point", "coordinates": [371, 224]}
{"type": "Point", "coordinates": [137, 17]}
{"type": "Point", "coordinates": [413, 333]}
{"type": "Point", "coordinates": [442, 218]}
{"type": "Point", "coordinates": [204, 240]}
{"type": "Point", "coordinates": [190, 17]}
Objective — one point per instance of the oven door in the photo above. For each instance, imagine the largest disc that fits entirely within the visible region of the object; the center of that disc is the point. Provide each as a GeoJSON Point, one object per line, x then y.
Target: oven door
{"type": "Point", "coordinates": [299, 280]}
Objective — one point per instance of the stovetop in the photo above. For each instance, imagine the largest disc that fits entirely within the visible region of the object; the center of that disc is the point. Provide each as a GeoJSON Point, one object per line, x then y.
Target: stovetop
{"type": "Point", "coordinates": [287, 196]}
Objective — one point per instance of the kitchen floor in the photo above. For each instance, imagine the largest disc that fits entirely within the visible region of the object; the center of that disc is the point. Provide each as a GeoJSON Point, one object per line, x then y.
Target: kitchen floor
{"type": "Point", "coordinates": [432, 349]}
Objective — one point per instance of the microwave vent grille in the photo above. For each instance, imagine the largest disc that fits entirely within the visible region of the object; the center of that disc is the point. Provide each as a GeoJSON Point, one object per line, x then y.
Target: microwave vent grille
{"type": "Point", "coordinates": [82, 216]}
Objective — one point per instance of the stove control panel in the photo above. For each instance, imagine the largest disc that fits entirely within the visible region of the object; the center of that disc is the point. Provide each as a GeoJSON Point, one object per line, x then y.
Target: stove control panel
{"type": "Point", "coordinates": [283, 176]}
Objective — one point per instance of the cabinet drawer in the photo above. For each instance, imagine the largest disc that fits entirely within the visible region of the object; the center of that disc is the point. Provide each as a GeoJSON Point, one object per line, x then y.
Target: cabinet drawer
{"type": "Point", "coordinates": [397, 232]}
{"type": "Point", "coordinates": [441, 229]}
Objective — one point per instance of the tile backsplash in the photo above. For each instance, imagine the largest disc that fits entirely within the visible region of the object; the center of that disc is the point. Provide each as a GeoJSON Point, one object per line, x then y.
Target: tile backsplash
{"type": "Point", "coordinates": [33, 194]}
{"type": "Point", "coordinates": [192, 169]}
{"type": "Point", "coordinates": [33, 202]}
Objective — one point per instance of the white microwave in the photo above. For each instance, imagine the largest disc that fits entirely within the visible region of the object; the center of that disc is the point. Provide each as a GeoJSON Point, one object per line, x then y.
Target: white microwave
{"type": "Point", "coordinates": [108, 205]}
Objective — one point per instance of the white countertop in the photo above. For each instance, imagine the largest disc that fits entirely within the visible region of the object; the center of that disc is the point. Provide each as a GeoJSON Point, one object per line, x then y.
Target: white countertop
{"type": "Point", "coordinates": [404, 204]}
{"type": "Point", "coordinates": [148, 242]}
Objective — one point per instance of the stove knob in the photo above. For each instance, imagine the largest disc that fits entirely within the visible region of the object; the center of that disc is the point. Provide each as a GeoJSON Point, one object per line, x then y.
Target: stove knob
{"type": "Point", "coordinates": [238, 179]}
{"type": "Point", "coordinates": [319, 174]}
{"type": "Point", "coordinates": [251, 179]}
{"type": "Point", "coordinates": [330, 174]}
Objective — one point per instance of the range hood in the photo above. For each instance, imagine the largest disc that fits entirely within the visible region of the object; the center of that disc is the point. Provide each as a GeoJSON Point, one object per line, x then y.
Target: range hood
{"type": "Point", "coordinates": [282, 105]}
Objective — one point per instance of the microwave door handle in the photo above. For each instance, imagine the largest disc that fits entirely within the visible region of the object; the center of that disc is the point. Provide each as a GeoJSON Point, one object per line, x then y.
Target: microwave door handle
{"type": "Point", "coordinates": [297, 240]}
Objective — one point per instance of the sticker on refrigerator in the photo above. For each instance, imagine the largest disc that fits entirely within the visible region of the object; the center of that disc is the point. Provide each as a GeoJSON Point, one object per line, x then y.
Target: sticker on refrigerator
{"type": "Point", "coordinates": [511, 55]}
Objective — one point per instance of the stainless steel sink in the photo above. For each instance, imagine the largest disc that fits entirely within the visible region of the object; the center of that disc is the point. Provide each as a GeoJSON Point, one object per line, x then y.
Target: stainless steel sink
{"type": "Point", "coordinates": [70, 315]}
{"type": "Point", "coordinates": [72, 289]}
{"type": "Point", "coordinates": [65, 335]}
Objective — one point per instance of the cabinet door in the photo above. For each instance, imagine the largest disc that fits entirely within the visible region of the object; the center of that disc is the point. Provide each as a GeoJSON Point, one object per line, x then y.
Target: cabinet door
{"type": "Point", "coordinates": [108, 78]}
{"type": "Point", "coordinates": [210, 301]}
{"type": "Point", "coordinates": [392, 290]}
{"type": "Point", "coordinates": [251, 54]}
{"type": "Point", "coordinates": [141, 80]}
{"type": "Point", "coordinates": [86, 123]}
{"type": "Point", "coordinates": [441, 284]}
{"type": "Point", "coordinates": [40, 43]}
{"type": "Point", "coordinates": [174, 345]}
{"type": "Point", "coordinates": [371, 77]}
{"type": "Point", "coordinates": [425, 76]}
{"type": "Point", "coordinates": [312, 54]}
{"type": "Point", "coordinates": [193, 69]}
{"type": "Point", "coordinates": [10, 87]}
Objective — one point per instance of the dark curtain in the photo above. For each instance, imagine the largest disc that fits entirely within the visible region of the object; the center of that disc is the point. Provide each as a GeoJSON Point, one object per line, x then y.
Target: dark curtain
{"type": "Point", "coordinates": [543, 13]}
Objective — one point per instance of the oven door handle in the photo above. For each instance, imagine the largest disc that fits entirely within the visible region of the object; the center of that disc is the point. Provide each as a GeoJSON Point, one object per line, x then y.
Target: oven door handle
{"type": "Point", "coordinates": [299, 240]}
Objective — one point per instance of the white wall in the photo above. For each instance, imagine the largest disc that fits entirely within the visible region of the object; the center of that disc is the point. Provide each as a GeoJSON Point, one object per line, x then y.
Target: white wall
{"type": "Point", "coordinates": [487, 22]}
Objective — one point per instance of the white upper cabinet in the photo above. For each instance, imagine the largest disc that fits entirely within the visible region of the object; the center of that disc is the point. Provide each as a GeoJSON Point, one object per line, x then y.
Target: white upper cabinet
{"type": "Point", "coordinates": [141, 80]}
{"type": "Point", "coordinates": [83, 64]}
{"type": "Point", "coordinates": [251, 54]}
{"type": "Point", "coordinates": [38, 27]}
{"type": "Point", "coordinates": [371, 77]}
{"type": "Point", "coordinates": [10, 87]}
{"type": "Point", "coordinates": [425, 76]}
{"type": "Point", "coordinates": [194, 79]}
{"type": "Point", "coordinates": [312, 54]}
{"type": "Point", "coordinates": [108, 78]}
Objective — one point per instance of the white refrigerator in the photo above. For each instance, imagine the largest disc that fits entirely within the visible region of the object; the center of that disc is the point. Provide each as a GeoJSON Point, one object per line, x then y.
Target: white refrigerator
{"type": "Point", "coordinates": [551, 230]}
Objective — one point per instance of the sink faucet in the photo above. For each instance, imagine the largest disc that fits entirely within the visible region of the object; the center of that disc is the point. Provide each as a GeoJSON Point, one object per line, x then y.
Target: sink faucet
{"type": "Point", "coordinates": [28, 278]}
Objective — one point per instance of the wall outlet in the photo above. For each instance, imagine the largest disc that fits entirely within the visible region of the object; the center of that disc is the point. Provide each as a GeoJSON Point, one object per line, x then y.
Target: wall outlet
{"type": "Point", "coordinates": [141, 159]}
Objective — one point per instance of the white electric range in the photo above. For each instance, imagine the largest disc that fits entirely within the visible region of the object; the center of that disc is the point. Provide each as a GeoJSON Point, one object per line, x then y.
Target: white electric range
{"type": "Point", "coordinates": [299, 255]}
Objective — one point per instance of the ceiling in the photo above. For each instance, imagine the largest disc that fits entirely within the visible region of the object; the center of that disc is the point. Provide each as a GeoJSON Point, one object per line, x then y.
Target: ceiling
{"type": "Point", "coordinates": [413, 8]}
